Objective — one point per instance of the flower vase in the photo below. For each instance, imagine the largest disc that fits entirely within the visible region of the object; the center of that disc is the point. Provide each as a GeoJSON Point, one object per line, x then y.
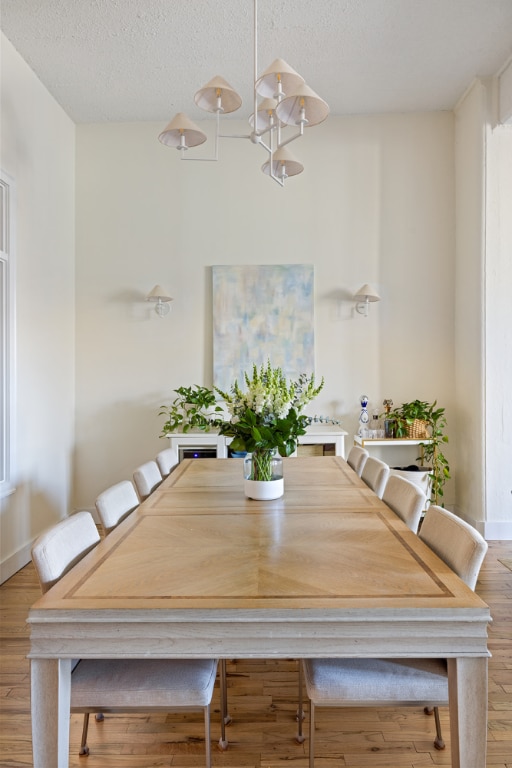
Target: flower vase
{"type": "Point", "coordinates": [263, 476]}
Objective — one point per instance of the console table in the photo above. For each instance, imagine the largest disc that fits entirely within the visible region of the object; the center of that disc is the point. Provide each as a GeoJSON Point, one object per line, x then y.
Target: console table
{"type": "Point", "coordinates": [317, 434]}
{"type": "Point", "coordinates": [365, 442]}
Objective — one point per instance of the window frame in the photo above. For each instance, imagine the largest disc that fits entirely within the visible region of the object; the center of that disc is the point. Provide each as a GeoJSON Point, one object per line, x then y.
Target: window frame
{"type": "Point", "coordinates": [7, 334]}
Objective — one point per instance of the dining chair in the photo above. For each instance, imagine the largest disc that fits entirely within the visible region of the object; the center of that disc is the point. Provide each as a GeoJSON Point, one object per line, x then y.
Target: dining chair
{"type": "Point", "coordinates": [357, 458]}
{"type": "Point", "coordinates": [124, 685]}
{"type": "Point", "coordinates": [167, 460]}
{"type": "Point", "coordinates": [116, 503]}
{"type": "Point", "coordinates": [147, 477]}
{"type": "Point", "coordinates": [396, 682]}
{"type": "Point", "coordinates": [375, 474]}
{"type": "Point", "coordinates": [406, 499]}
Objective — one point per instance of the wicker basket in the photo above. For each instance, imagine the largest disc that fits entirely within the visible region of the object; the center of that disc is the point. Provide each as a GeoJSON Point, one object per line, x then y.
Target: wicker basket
{"type": "Point", "coordinates": [418, 429]}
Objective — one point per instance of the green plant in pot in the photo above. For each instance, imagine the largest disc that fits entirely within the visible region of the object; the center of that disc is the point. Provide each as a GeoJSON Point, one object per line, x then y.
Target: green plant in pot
{"type": "Point", "coordinates": [194, 408]}
{"type": "Point", "coordinates": [420, 419]}
{"type": "Point", "coordinates": [266, 418]}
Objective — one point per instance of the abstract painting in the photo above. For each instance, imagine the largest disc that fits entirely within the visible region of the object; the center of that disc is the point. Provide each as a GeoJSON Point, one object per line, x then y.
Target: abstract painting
{"type": "Point", "coordinates": [262, 313]}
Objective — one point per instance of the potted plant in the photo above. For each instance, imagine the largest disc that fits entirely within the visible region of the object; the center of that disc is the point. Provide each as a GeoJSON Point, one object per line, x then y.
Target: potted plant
{"type": "Point", "coordinates": [265, 420]}
{"type": "Point", "coordinates": [195, 408]}
{"type": "Point", "coordinates": [420, 419]}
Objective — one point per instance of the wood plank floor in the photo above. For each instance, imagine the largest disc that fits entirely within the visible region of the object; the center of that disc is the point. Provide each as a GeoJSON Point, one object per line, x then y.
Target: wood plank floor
{"type": "Point", "coordinates": [262, 699]}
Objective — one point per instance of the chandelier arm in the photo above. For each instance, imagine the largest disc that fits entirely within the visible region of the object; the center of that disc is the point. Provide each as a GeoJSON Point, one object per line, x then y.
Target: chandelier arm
{"type": "Point", "coordinates": [234, 135]}
{"type": "Point", "coordinates": [216, 146]}
{"type": "Point", "coordinates": [276, 178]}
{"type": "Point", "coordinates": [291, 138]}
{"type": "Point", "coordinates": [265, 146]}
{"type": "Point", "coordinates": [271, 150]}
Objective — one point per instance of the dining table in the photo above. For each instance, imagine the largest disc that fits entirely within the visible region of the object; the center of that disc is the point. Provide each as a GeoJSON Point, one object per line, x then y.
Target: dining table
{"type": "Point", "coordinates": [200, 571]}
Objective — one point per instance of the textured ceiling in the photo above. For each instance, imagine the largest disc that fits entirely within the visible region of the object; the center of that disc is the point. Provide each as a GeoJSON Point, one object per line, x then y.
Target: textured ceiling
{"type": "Point", "coordinates": [130, 60]}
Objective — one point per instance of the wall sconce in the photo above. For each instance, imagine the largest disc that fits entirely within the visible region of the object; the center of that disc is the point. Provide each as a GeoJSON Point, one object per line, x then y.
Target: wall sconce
{"type": "Point", "coordinates": [363, 297]}
{"type": "Point", "coordinates": [162, 299]}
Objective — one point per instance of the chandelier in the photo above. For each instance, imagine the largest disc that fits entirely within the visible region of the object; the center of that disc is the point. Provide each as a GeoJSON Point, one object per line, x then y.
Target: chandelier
{"type": "Point", "coordinates": [288, 106]}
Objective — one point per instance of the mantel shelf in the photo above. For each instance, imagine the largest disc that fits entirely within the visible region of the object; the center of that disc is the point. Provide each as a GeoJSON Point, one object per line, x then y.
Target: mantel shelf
{"type": "Point", "coordinates": [316, 434]}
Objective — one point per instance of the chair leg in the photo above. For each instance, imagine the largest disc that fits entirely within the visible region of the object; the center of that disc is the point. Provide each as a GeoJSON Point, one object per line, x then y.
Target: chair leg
{"type": "Point", "coordinates": [225, 719]}
{"type": "Point", "coordinates": [84, 749]}
{"type": "Point", "coordinates": [207, 745]}
{"type": "Point", "coordinates": [438, 741]}
{"type": "Point", "coordinates": [311, 735]}
{"type": "Point", "coordinates": [299, 738]}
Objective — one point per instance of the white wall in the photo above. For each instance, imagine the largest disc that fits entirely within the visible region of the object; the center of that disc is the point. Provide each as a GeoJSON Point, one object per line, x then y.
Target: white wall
{"type": "Point", "coordinates": [483, 320]}
{"type": "Point", "coordinates": [374, 204]}
{"type": "Point", "coordinates": [469, 303]}
{"type": "Point", "coordinates": [37, 151]}
{"type": "Point", "coordinates": [498, 326]}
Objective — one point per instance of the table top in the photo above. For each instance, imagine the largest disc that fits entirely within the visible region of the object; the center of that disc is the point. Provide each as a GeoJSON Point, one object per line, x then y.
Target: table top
{"type": "Point", "coordinates": [198, 543]}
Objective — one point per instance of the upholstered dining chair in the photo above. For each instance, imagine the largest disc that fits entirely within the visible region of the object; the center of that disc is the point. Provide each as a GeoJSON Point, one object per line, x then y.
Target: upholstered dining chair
{"type": "Point", "coordinates": [123, 685]}
{"type": "Point", "coordinates": [406, 499]}
{"type": "Point", "coordinates": [116, 503]}
{"type": "Point", "coordinates": [397, 682]}
{"type": "Point", "coordinates": [357, 458]}
{"type": "Point", "coordinates": [147, 477]}
{"type": "Point", "coordinates": [167, 460]}
{"type": "Point", "coordinates": [375, 474]}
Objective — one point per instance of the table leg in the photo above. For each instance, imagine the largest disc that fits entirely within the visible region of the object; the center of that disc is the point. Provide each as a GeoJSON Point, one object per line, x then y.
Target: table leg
{"type": "Point", "coordinates": [467, 680]}
{"type": "Point", "coordinates": [50, 705]}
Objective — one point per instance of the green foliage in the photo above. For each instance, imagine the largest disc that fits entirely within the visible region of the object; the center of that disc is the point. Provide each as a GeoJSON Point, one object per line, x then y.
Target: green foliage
{"type": "Point", "coordinates": [433, 450]}
{"type": "Point", "coordinates": [434, 456]}
{"type": "Point", "coordinates": [267, 415]}
{"type": "Point", "coordinates": [251, 434]}
{"type": "Point", "coordinates": [194, 408]}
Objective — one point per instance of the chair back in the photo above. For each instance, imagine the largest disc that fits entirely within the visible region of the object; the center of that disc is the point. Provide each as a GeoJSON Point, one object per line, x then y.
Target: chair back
{"type": "Point", "coordinates": [57, 550]}
{"type": "Point", "coordinates": [456, 542]}
{"type": "Point", "coordinates": [147, 477]}
{"type": "Point", "coordinates": [375, 474]}
{"type": "Point", "coordinates": [406, 499]}
{"type": "Point", "coordinates": [166, 461]}
{"type": "Point", "coordinates": [116, 503]}
{"type": "Point", "coordinates": [357, 458]}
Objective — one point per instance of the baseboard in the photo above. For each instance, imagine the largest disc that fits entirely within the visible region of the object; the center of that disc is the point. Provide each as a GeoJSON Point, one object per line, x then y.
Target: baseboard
{"type": "Point", "coordinates": [15, 563]}
{"type": "Point", "coordinates": [497, 530]}
{"type": "Point", "coordinates": [22, 557]}
{"type": "Point", "coordinates": [491, 530]}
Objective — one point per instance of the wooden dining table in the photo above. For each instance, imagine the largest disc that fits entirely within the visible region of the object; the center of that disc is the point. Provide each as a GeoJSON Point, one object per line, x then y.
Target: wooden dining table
{"type": "Point", "coordinates": [199, 570]}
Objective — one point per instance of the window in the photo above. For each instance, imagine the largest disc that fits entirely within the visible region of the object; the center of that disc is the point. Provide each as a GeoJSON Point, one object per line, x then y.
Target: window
{"type": "Point", "coordinates": [6, 335]}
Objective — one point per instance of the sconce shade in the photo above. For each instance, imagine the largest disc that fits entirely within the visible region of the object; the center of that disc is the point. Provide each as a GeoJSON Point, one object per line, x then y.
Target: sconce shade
{"type": "Point", "coordinates": [303, 97]}
{"type": "Point", "coordinates": [162, 300]}
{"type": "Point", "coordinates": [218, 94]}
{"type": "Point", "coordinates": [367, 293]}
{"type": "Point", "coordinates": [158, 294]}
{"type": "Point", "coordinates": [279, 71]}
{"type": "Point", "coordinates": [363, 297]}
{"type": "Point", "coordinates": [284, 164]}
{"type": "Point", "coordinates": [182, 133]}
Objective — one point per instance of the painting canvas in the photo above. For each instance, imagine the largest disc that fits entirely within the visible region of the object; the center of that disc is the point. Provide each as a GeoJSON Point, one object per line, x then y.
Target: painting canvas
{"type": "Point", "coordinates": [262, 313]}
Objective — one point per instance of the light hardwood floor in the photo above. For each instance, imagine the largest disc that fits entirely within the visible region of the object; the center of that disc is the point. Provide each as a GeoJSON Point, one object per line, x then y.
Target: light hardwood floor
{"type": "Point", "coordinates": [262, 701]}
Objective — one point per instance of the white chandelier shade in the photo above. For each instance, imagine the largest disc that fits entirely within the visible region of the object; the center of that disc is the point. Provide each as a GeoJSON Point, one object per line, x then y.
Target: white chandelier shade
{"type": "Point", "coordinates": [278, 78]}
{"type": "Point", "coordinates": [287, 103]}
{"type": "Point", "coordinates": [218, 95]}
{"type": "Point", "coordinates": [182, 133]}
{"type": "Point", "coordinates": [265, 115]}
{"type": "Point", "coordinates": [303, 105]}
{"type": "Point", "coordinates": [284, 164]}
